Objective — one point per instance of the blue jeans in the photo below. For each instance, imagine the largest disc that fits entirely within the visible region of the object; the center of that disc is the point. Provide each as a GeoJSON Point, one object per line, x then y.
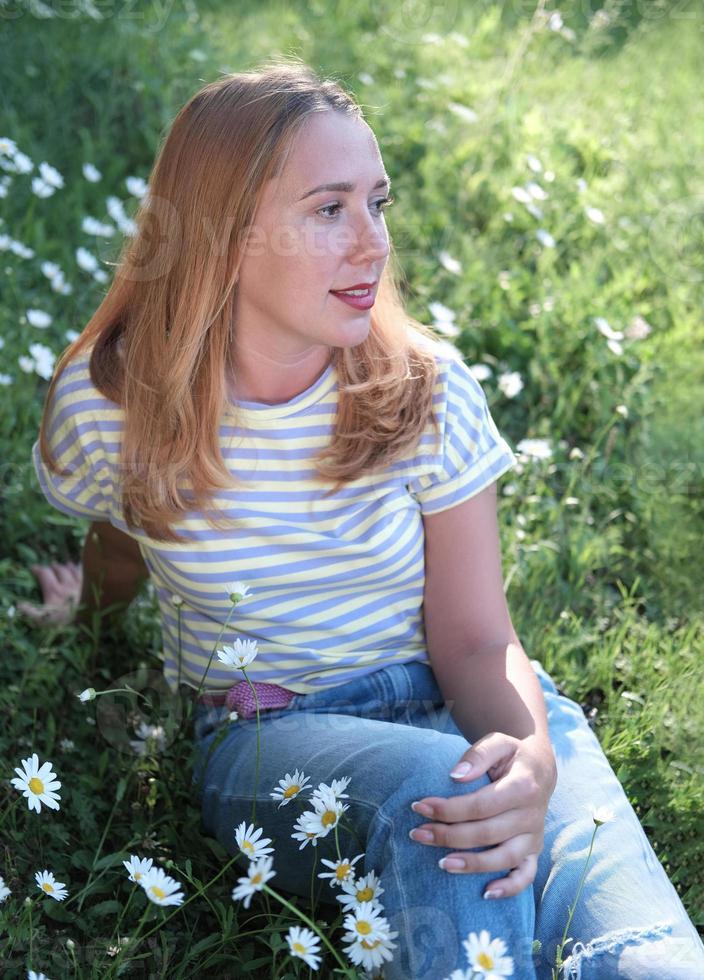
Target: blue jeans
{"type": "Point", "coordinates": [391, 733]}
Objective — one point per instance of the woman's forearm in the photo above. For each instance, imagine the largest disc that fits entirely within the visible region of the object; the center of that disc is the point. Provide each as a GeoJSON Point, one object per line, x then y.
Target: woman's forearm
{"type": "Point", "coordinates": [493, 690]}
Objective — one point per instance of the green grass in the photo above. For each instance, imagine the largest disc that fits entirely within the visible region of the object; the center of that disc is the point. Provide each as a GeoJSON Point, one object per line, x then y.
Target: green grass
{"type": "Point", "coordinates": [604, 590]}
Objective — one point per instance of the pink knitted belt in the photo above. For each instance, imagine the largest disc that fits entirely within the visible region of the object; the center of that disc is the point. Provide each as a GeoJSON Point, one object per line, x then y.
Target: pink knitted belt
{"type": "Point", "coordinates": [240, 698]}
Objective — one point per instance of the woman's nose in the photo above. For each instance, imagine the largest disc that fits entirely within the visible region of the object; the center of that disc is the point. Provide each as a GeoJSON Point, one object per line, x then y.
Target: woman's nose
{"type": "Point", "coordinates": [370, 240]}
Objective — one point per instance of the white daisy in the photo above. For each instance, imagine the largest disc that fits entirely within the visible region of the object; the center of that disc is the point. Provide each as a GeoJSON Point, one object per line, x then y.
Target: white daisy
{"type": "Point", "coordinates": [595, 215]}
{"type": "Point", "coordinates": [41, 188]}
{"type": "Point", "coordinates": [510, 383]}
{"type": "Point", "coordinates": [480, 372]}
{"type": "Point", "coordinates": [176, 600]}
{"type": "Point", "coordinates": [326, 814]}
{"type": "Point", "coordinates": [362, 891]}
{"type": "Point", "coordinates": [241, 654]}
{"type": "Point", "coordinates": [249, 843]}
{"type": "Point", "coordinates": [50, 175]}
{"type": "Point", "coordinates": [8, 147]}
{"type": "Point", "coordinates": [43, 360]}
{"type": "Point", "coordinates": [304, 943]}
{"type": "Point", "coordinates": [258, 873]}
{"type": "Point", "coordinates": [535, 448]}
{"type": "Point", "coordinates": [369, 937]}
{"type": "Point", "coordinates": [289, 787]}
{"type": "Point", "coordinates": [236, 591]}
{"type": "Point", "coordinates": [38, 785]}
{"type": "Point", "coordinates": [160, 888]}
{"type": "Point", "coordinates": [137, 186]}
{"type": "Point", "coordinates": [486, 956]}
{"type": "Point", "coordinates": [86, 260]}
{"type": "Point", "coordinates": [441, 313]}
{"type": "Point", "coordinates": [87, 695]}
{"type": "Point", "coordinates": [545, 238]}
{"type": "Point", "coordinates": [4, 890]}
{"type": "Point", "coordinates": [50, 886]}
{"type": "Point", "coordinates": [449, 263]}
{"type": "Point", "coordinates": [342, 870]}
{"type": "Point", "coordinates": [150, 739]}
{"type": "Point", "coordinates": [604, 328]}
{"type": "Point", "coordinates": [304, 833]}
{"type": "Point", "coordinates": [31, 975]}
{"type": "Point", "coordinates": [602, 814]}
{"type": "Point", "coordinates": [91, 173]}
{"type": "Point", "coordinates": [137, 868]}
{"type": "Point", "coordinates": [38, 318]}
{"type": "Point", "coordinates": [337, 788]}
{"type": "Point", "coordinates": [67, 744]}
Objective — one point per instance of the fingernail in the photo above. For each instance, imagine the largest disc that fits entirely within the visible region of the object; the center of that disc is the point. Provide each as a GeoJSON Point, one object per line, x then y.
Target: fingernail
{"type": "Point", "coordinates": [423, 808]}
{"type": "Point", "coordinates": [451, 864]}
{"type": "Point", "coordinates": [425, 836]}
{"type": "Point", "coordinates": [461, 770]}
{"type": "Point", "coordinates": [493, 893]}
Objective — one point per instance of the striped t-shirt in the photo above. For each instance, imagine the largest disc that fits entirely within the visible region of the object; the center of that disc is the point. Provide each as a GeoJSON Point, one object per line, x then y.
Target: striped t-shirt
{"type": "Point", "coordinates": [336, 583]}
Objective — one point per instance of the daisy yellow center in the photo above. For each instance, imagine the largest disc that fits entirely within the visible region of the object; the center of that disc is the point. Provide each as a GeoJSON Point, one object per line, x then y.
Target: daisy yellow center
{"type": "Point", "coordinates": [365, 894]}
{"type": "Point", "coordinates": [256, 878]}
{"type": "Point", "coordinates": [299, 948]}
{"type": "Point", "coordinates": [291, 791]}
{"type": "Point", "coordinates": [329, 818]}
{"type": "Point", "coordinates": [485, 961]}
{"type": "Point", "coordinates": [137, 875]}
{"type": "Point", "coordinates": [36, 785]}
{"type": "Point", "coordinates": [364, 928]}
{"type": "Point", "coordinates": [247, 846]}
{"type": "Point", "coordinates": [370, 945]}
{"type": "Point", "coordinates": [48, 888]}
{"type": "Point", "coordinates": [342, 871]}
{"type": "Point", "coordinates": [158, 892]}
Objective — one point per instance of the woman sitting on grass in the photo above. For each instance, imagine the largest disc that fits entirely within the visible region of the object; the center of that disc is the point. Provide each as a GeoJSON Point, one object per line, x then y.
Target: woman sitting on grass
{"type": "Point", "coordinates": [252, 403]}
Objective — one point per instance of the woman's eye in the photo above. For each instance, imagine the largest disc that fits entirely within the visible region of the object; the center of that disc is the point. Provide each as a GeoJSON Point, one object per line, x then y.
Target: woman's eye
{"type": "Point", "coordinates": [381, 205]}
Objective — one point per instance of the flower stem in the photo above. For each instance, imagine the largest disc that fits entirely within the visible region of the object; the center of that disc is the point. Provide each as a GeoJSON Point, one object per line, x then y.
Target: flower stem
{"type": "Point", "coordinates": [256, 761]}
{"type": "Point", "coordinates": [213, 651]}
{"type": "Point", "coordinates": [561, 946]}
{"type": "Point", "coordinates": [312, 925]}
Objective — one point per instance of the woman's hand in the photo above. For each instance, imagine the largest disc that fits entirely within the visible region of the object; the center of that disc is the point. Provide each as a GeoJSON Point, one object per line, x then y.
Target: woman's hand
{"type": "Point", "coordinates": [61, 593]}
{"type": "Point", "coordinates": [509, 813]}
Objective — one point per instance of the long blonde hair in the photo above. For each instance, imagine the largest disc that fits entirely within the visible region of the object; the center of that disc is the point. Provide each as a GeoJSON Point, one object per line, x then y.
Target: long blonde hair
{"type": "Point", "coordinates": [163, 336]}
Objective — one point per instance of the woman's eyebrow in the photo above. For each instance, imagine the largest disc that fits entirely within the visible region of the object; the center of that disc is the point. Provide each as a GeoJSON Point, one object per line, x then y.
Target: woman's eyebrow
{"type": "Point", "coordinates": [345, 186]}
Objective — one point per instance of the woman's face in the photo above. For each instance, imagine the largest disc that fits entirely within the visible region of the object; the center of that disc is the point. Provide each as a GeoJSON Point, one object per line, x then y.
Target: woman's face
{"type": "Point", "coordinates": [301, 247]}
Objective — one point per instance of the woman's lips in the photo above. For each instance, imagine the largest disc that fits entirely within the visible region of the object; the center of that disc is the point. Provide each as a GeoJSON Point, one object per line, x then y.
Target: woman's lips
{"type": "Point", "coordinates": [358, 302]}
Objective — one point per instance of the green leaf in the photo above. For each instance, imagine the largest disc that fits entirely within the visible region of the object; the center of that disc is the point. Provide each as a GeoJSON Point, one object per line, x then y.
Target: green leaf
{"type": "Point", "coordinates": [57, 912]}
{"type": "Point", "coordinates": [110, 861]}
{"type": "Point", "coordinates": [110, 907]}
{"type": "Point", "coordinates": [82, 859]}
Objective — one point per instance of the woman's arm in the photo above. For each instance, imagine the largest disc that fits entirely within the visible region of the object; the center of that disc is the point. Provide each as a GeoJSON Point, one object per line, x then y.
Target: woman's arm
{"type": "Point", "coordinates": [113, 570]}
{"type": "Point", "coordinates": [476, 656]}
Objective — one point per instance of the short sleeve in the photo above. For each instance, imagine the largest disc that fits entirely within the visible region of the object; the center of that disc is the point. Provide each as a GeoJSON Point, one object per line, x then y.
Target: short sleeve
{"type": "Point", "coordinates": [76, 428]}
{"type": "Point", "coordinates": [472, 454]}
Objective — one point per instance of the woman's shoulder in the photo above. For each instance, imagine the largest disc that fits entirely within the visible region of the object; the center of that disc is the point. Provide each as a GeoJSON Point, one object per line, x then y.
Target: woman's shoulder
{"type": "Point", "coordinates": [76, 390]}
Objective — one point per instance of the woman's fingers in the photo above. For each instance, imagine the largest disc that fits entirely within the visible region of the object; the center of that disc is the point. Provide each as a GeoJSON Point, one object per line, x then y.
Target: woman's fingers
{"type": "Point", "coordinates": [510, 854]}
{"type": "Point", "coordinates": [480, 833]}
{"type": "Point", "coordinates": [518, 879]}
